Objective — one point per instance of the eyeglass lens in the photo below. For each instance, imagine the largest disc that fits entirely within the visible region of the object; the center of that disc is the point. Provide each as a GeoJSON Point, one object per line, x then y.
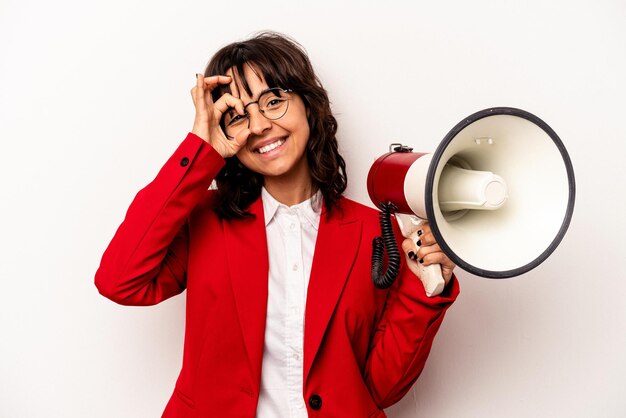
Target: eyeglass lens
{"type": "Point", "coordinates": [273, 104]}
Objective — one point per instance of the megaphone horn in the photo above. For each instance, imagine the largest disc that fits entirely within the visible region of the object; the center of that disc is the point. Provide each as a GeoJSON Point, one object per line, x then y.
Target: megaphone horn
{"type": "Point", "coordinates": [495, 175]}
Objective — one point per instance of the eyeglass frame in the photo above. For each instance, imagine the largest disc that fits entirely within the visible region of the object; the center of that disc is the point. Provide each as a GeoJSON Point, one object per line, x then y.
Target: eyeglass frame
{"type": "Point", "coordinates": [247, 115]}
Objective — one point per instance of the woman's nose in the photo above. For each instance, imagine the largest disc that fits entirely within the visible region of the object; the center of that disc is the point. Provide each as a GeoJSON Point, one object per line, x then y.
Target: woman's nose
{"type": "Point", "coordinates": [258, 122]}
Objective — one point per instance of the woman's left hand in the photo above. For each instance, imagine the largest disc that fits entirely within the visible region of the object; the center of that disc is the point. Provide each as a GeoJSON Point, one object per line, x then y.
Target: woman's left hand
{"type": "Point", "coordinates": [427, 251]}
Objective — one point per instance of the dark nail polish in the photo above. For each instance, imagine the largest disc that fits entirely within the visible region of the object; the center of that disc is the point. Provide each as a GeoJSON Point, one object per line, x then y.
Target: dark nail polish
{"type": "Point", "coordinates": [411, 255]}
{"type": "Point", "coordinates": [419, 233]}
{"type": "Point", "coordinates": [422, 261]}
{"type": "Point", "coordinates": [419, 242]}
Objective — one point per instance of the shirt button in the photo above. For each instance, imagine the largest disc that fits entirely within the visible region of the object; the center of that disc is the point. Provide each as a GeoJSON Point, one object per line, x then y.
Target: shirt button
{"type": "Point", "coordinates": [315, 402]}
{"type": "Point", "coordinates": [295, 267]}
{"type": "Point", "coordinates": [184, 161]}
{"type": "Point", "coordinates": [292, 226]}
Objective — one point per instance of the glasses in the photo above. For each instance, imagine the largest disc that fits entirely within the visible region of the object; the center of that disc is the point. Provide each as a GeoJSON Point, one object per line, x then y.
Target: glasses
{"type": "Point", "coordinates": [273, 104]}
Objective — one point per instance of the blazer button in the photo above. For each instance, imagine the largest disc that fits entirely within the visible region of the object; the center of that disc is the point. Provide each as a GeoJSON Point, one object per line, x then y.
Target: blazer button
{"type": "Point", "coordinates": [184, 161]}
{"type": "Point", "coordinates": [315, 401]}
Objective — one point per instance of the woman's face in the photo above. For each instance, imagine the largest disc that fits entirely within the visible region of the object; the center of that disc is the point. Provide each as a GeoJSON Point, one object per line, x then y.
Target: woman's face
{"type": "Point", "coordinates": [274, 147]}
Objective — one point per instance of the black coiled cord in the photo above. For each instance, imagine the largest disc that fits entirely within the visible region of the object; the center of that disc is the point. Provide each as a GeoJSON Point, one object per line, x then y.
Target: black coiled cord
{"type": "Point", "coordinates": [388, 242]}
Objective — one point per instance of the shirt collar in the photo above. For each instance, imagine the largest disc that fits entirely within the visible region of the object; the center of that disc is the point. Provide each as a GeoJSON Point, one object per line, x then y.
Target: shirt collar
{"type": "Point", "coordinates": [310, 209]}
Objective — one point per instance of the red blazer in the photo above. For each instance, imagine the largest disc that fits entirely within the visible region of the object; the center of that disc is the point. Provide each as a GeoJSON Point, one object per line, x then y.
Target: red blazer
{"type": "Point", "coordinates": [363, 347]}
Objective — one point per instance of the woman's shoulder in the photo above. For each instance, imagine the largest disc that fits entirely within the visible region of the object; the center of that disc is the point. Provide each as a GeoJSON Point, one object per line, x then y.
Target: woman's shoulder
{"type": "Point", "coordinates": [357, 210]}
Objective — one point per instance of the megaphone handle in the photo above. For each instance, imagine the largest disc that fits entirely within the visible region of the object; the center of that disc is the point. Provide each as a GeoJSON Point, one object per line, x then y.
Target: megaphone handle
{"type": "Point", "coordinates": [432, 279]}
{"type": "Point", "coordinates": [430, 275]}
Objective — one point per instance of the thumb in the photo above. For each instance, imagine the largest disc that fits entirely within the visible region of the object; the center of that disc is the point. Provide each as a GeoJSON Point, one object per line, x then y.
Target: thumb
{"type": "Point", "coordinates": [241, 139]}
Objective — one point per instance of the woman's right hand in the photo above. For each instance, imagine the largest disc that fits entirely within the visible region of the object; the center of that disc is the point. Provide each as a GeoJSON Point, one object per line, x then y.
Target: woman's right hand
{"type": "Point", "coordinates": [209, 114]}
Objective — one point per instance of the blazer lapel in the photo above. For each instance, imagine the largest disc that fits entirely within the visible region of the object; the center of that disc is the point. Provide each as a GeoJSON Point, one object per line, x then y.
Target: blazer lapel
{"type": "Point", "coordinates": [338, 239]}
{"type": "Point", "coordinates": [248, 263]}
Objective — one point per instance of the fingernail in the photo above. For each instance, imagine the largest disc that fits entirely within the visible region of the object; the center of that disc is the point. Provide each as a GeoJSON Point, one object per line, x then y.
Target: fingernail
{"type": "Point", "coordinates": [411, 255]}
{"type": "Point", "coordinates": [419, 242]}
{"type": "Point", "coordinates": [419, 233]}
{"type": "Point", "coordinates": [422, 261]}
{"type": "Point", "coordinates": [197, 74]}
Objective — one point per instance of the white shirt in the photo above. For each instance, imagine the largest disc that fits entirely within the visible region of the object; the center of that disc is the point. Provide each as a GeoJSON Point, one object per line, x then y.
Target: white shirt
{"type": "Point", "coordinates": [291, 234]}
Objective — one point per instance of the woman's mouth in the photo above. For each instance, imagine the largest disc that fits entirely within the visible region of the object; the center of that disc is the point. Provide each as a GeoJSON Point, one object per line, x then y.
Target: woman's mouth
{"type": "Point", "coordinates": [269, 147]}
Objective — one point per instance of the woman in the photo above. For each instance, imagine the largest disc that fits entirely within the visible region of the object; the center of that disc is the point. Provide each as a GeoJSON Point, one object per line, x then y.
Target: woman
{"type": "Point", "coordinates": [282, 317]}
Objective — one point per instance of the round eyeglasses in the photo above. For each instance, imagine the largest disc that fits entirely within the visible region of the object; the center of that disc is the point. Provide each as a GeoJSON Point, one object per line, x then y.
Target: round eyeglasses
{"type": "Point", "coordinates": [273, 104]}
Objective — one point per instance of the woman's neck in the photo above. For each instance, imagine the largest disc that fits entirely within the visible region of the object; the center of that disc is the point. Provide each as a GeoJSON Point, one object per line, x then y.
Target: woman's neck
{"type": "Point", "coordinates": [290, 190]}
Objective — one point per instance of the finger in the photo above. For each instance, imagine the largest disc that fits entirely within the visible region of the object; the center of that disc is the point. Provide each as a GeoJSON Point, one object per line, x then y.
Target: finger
{"type": "Point", "coordinates": [423, 227]}
{"type": "Point", "coordinates": [209, 83]}
{"type": "Point", "coordinates": [193, 94]}
{"type": "Point", "coordinates": [437, 257]}
{"type": "Point", "coordinates": [228, 101]}
{"type": "Point", "coordinates": [425, 237]}
{"type": "Point", "coordinates": [198, 91]}
{"type": "Point", "coordinates": [447, 266]}
{"type": "Point", "coordinates": [204, 85]}
{"type": "Point", "coordinates": [425, 240]}
{"type": "Point", "coordinates": [242, 137]}
{"type": "Point", "coordinates": [409, 248]}
{"type": "Point", "coordinates": [424, 250]}
{"type": "Point", "coordinates": [434, 255]}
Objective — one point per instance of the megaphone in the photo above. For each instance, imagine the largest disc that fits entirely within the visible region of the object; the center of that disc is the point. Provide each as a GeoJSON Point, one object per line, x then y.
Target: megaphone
{"type": "Point", "coordinates": [498, 194]}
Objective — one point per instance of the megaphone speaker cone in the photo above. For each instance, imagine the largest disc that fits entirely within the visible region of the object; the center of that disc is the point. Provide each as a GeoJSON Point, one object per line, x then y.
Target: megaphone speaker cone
{"type": "Point", "coordinates": [533, 171]}
{"type": "Point", "coordinates": [498, 192]}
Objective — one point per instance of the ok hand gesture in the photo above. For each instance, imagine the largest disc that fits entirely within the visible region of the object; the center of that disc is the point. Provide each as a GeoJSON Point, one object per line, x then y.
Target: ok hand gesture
{"type": "Point", "coordinates": [209, 114]}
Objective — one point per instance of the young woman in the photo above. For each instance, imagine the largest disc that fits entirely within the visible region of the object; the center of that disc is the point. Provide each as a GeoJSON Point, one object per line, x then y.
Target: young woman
{"type": "Point", "coordinates": [282, 317]}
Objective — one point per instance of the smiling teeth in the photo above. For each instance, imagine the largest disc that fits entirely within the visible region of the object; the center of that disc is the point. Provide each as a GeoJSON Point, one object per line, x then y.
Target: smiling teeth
{"type": "Point", "coordinates": [271, 146]}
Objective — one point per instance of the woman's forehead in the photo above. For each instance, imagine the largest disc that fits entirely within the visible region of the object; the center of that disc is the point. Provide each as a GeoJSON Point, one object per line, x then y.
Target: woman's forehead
{"type": "Point", "coordinates": [246, 85]}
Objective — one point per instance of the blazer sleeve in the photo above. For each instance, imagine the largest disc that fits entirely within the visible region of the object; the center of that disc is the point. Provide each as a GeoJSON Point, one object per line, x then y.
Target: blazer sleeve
{"type": "Point", "coordinates": [145, 262]}
{"type": "Point", "coordinates": [404, 337]}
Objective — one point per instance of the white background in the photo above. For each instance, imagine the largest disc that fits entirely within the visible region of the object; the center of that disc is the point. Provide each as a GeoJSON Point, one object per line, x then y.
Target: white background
{"type": "Point", "coordinates": [94, 96]}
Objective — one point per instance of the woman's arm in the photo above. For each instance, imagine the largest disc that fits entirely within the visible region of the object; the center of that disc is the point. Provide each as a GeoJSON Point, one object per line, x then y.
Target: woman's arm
{"type": "Point", "coordinates": [145, 263]}
{"type": "Point", "coordinates": [408, 325]}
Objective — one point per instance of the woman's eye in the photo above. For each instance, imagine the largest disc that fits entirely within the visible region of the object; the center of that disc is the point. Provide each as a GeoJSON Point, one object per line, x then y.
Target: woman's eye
{"type": "Point", "coordinates": [274, 102]}
{"type": "Point", "coordinates": [235, 119]}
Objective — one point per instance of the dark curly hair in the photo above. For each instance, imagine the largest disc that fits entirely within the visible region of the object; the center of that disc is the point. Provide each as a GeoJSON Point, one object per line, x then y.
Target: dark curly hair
{"type": "Point", "coordinates": [283, 63]}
